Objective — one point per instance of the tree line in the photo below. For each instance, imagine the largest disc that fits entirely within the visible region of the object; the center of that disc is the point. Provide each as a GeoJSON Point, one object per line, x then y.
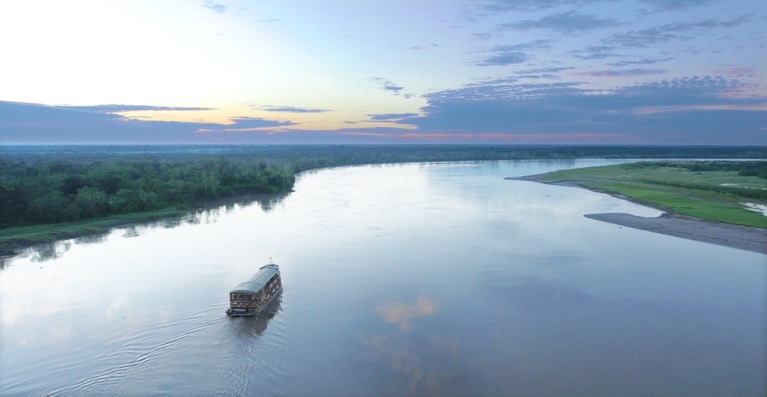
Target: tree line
{"type": "Point", "coordinates": [41, 191]}
{"type": "Point", "coordinates": [52, 184]}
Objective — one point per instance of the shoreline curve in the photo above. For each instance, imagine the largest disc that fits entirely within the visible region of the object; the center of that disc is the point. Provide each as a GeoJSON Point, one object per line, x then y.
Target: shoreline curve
{"type": "Point", "coordinates": [729, 235]}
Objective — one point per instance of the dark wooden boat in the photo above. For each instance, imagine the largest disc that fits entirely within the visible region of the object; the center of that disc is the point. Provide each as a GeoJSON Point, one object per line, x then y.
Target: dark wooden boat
{"type": "Point", "coordinates": [253, 296]}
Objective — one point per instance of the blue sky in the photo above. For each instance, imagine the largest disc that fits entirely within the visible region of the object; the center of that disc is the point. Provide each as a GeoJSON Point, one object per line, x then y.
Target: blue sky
{"type": "Point", "coordinates": [343, 71]}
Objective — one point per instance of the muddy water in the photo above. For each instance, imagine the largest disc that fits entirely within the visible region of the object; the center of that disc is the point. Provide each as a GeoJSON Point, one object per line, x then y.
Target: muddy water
{"type": "Point", "coordinates": [421, 279]}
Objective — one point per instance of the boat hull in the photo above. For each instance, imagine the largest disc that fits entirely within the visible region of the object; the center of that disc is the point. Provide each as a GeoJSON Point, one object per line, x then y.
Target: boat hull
{"type": "Point", "coordinates": [252, 311]}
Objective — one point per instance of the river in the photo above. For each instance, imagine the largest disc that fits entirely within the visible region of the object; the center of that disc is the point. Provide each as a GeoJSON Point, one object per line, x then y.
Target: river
{"type": "Point", "coordinates": [414, 279]}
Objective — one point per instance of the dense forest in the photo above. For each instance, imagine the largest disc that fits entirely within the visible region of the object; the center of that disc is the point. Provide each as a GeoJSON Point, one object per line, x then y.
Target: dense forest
{"type": "Point", "coordinates": [52, 184]}
{"type": "Point", "coordinates": [51, 191]}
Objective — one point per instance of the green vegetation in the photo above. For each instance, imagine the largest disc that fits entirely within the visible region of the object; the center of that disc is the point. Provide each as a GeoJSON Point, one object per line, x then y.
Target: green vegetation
{"type": "Point", "coordinates": [52, 192]}
{"type": "Point", "coordinates": [713, 190]}
{"type": "Point", "coordinates": [43, 191]}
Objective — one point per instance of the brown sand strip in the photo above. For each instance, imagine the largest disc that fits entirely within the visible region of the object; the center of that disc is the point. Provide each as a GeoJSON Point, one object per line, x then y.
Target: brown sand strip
{"type": "Point", "coordinates": [734, 236]}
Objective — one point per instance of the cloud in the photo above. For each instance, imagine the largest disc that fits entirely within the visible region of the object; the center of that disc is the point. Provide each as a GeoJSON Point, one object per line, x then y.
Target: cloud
{"type": "Point", "coordinates": [623, 72]}
{"type": "Point", "coordinates": [738, 72]}
{"type": "Point", "coordinates": [292, 109]}
{"type": "Point", "coordinates": [546, 76]}
{"type": "Point", "coordinates": [499, 90]}
{"type": "Point", "coordinates": [492, 82]}
{"type": "Point", "coordinates": [511, 54]}
{"type": "Point", "coordinates": [676, 5]}
{"type": "Point", "coordinates": [693, 110]}
{"type": "Point", "coordinates": [245, 124]}
{"type": "Point", "coordinates": [423, 47]}
{"type": "Point", "coordinates": [569, 22]}
{"type": "Point", "coordinates": [690, 91]}
{"type": "Point", "coordinates": [503, 55]}
{"type": "Point", "coordinates": [391, 116]}
{"type": "Point", "coordinates": [595, 52]}
{"type": "Point", "coordinates": [500, 108]}
{"type": "Point", "coordinates": [30, 124]}
{"type": "Point", "coordinates": [25, 123]}
{"type": "Point", "coordinates": [541, 73]}
{"type": "Point", "coordinates": [545, 70]}
{"type": "Point", "coordinates": [129, 108]}
{"type": "Point", "coordinates": [643, 61]}
{"type": "Point", "coordinates": [672, 31]}
{"type": "Point", "coordinates": [531, 5]}
{"type": "Point", "coordinates": [219, 8]}
{"type": "Point", "coordinates": [388, 85]}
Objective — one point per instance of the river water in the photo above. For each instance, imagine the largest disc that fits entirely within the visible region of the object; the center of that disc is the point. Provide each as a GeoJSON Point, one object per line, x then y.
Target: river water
{"type": "Point", "coordinates": [417, 279]}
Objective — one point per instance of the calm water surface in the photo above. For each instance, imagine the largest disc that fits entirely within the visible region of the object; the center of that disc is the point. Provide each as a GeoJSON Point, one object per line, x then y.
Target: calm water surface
{"type": "Point", "coordinates": [422, 279]}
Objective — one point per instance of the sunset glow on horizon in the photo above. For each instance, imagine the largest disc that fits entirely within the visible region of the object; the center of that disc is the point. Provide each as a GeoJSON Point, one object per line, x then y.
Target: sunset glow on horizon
{"type": "Point", "coordinates": [568, 71]}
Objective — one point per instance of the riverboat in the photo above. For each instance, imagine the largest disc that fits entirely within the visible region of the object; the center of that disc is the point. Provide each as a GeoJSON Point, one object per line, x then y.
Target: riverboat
{"type": "Point", "coordinates": [253, 296]}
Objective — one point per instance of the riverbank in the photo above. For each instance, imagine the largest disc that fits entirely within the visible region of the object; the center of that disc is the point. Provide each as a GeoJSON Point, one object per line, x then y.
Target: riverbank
{"type": "Point", "coordinates": [734, 236]}
{"type": "Point", "coordinates": [13, 240]}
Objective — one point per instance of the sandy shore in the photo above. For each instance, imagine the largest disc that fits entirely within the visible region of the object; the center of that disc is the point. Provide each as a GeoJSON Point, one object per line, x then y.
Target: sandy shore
{"type": "Point", "coordinates": [734, 236]}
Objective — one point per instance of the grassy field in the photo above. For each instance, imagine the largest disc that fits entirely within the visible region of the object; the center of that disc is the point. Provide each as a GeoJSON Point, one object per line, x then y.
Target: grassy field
{"type": "Point", "coordinates": [712, 195]}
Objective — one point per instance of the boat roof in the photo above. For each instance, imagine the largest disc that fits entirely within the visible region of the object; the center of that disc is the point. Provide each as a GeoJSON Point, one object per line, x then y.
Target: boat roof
{"type": "Point", "coordinates": [255, 283]}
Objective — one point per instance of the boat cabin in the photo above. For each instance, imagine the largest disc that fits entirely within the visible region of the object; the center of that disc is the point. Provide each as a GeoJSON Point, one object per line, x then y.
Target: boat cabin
{"type": "Point", "coordinates": [251, 297]}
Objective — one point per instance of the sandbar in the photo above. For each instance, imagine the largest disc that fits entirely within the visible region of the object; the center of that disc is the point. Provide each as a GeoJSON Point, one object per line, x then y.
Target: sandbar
{"type": "Point", "coordinates": [734, 236]}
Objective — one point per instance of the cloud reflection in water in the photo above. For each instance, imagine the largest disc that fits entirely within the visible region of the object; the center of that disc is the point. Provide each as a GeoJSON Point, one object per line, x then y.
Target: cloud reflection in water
{"type": "Point", "coordinates": [401, 313]}
{"type": "Point", "coordinates": [430, 364]}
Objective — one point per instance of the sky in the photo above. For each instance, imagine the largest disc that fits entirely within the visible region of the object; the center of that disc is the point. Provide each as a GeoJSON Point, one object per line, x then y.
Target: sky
{"type": "Point", "coordinates": [637, 72]}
